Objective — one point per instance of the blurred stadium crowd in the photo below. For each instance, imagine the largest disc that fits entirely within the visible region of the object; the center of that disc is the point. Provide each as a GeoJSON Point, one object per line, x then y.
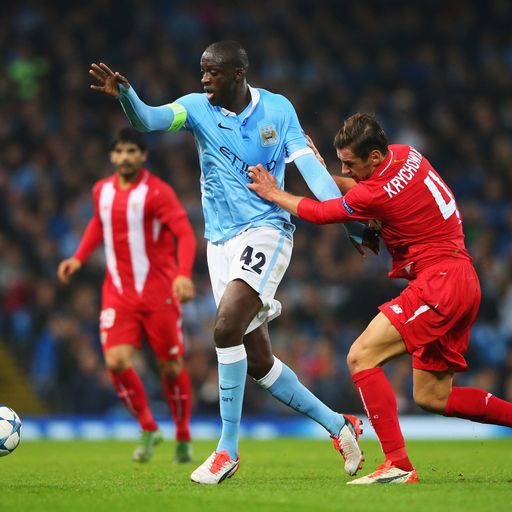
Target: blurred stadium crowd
{"type": "Point", "coordinates": [437, 74]}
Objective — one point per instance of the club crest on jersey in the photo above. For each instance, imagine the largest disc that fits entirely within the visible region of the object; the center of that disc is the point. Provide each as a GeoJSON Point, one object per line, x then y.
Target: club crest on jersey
{"type": "Point", "coordinates": [269, 136]}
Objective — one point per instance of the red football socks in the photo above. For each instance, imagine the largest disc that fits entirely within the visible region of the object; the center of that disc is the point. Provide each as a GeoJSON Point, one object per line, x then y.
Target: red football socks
{"type": "Point", "coordinates": [130, 389]}
{"type": "Point", "coordinates": [379, 403]}
{"type": "Point", "coordinates": [178, 394]}
{"type": "Point", "coordinates": [478, 405]}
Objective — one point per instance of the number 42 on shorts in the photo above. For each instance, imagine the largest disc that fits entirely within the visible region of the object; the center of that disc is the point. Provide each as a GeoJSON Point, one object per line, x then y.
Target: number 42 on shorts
{"type": "Point", "coordinates": [253, 262]}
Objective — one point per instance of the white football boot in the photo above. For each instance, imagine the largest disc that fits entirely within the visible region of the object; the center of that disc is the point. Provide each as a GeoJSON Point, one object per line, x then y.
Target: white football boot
{"type": "Point", "coordinates": [346, 443]}
{"type": "Point", "coordinates": [216, 468]}
{"type": "Point", "coordinates": [388, 474]}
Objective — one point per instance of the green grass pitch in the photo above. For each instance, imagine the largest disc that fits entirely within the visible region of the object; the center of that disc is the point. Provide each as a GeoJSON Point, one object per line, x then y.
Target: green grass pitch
{"type": "Point", "coordinates": [281, 475]}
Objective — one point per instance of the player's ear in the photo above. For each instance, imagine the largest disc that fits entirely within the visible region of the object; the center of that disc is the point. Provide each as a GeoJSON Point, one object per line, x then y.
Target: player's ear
{"type": "Point", "coordinates": [376, 157]}
{"type": "Point", "coordinates": [145, 155]}
{"type": "Point", "coordinates": [239, 74]}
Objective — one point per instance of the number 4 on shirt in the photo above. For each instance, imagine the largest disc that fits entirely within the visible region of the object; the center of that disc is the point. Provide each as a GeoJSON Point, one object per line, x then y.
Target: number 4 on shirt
{"type": "Point", "coordinates": [447, 209]}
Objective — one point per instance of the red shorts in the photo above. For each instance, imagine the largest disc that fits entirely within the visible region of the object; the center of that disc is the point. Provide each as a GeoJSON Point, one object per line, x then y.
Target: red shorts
{"type": "Point", "coordinates": [434, 315]}
{"type": "Point", "coordinates": [161, 327]}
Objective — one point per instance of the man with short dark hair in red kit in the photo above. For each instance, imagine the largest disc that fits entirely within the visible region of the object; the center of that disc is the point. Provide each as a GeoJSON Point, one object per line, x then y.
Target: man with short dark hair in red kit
{"type": "Point", "coordinates": [432, 317]}
{"type": "Point", "coordinates": [149, 251]}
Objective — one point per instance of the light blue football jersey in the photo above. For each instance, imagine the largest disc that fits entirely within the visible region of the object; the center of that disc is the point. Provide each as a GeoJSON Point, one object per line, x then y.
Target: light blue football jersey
{"type": "Point", "coordinates": [267, 132]}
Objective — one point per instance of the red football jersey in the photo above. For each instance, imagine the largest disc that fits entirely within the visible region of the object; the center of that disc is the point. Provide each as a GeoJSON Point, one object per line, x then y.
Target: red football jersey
{"type": "Point", "coordinates": [147, 237]}
{"type": "Point", "coordinates": [421, 224]}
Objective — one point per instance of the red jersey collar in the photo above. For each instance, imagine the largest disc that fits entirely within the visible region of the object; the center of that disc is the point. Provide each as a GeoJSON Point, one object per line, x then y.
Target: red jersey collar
{"type": "Point", "coordinates": [385, 164]}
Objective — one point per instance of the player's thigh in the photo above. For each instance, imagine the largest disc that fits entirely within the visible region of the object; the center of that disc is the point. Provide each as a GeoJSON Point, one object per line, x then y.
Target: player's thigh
{"type": "Point", "coordinates": [434, 314]}
{"type": "Point", "coordinates": [378, 343]}
{"type": "Point", "coordinates": [120, 330]}
{"type": "Point", "coordinates": [170, 368]}
{"type": "Point", "coordinates": [238, 306]}
{"type": "Point", "coordinates": [163, 329]}
{"type": "Point", "coordinates": [259, 258]}
{"type": "Point", "coordinates": [431, 389]}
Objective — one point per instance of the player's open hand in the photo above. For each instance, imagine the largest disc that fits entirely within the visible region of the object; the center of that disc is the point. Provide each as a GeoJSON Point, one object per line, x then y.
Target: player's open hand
{"type": "Point", "coordinates": [311, 144]}
{"type": "Point", "coordinates": [183, 288]}
{"type": "Point", "coordinates": [108, 80]}
{"type": "Point", "coordinates": [67, 268]}
{"type": "Point", "coordinates": [263, 183]}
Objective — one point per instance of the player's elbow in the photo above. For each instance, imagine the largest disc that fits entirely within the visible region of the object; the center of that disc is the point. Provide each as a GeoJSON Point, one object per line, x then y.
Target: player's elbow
{"type": "Point", "coordinates": [140, 126]}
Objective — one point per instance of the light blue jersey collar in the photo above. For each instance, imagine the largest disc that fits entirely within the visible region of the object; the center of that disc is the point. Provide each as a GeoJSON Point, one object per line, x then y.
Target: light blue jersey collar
{"type": "Point", "coordinates": [255, 99]}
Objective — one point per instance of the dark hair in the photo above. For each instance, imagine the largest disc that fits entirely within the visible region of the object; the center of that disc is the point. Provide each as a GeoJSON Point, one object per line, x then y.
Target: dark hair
{"type": "Point", "coordinates": [231, 53]}
{"type": "Point", "coordinates": [128, 135]}
{"type": "Point", "coordinates": [362, 133]}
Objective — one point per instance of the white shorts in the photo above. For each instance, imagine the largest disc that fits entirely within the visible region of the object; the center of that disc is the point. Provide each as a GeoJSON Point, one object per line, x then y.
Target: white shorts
{"type": "Point", "coordinates": [258, 256]}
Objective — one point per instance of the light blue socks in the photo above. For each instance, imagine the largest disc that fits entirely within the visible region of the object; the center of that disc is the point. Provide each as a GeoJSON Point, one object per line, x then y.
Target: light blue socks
{"type": "Point", "coordinates": [232, 375]}
{"type": "Point", "coordinates": [283, 384]}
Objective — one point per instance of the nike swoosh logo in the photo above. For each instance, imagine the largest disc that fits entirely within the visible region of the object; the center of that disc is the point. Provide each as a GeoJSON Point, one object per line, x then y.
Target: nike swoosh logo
{"type": "Point", "coordinates": [249, 269]}
{"type": "Point", "coordinates": [220, 125]}
{"type": "Point", "coordinates": [390, 478]}
{"type": "Point", "coordinates": [233, 387]}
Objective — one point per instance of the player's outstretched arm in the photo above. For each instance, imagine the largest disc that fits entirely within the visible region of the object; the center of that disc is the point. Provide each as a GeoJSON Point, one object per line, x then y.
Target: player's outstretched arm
{"type": "Point", "coordinates": [67, 268]}
{"type": "Point", "coordinates": [319, 212]}
{"type": "Point", "coordinates": [142, 117]}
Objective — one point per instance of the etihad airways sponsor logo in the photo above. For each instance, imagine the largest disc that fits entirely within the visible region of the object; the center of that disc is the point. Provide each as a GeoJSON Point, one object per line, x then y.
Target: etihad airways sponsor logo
{"type": "Point", "coordinates": [239, 165]}
{"type": "Point", "coordinates": [406, 173]}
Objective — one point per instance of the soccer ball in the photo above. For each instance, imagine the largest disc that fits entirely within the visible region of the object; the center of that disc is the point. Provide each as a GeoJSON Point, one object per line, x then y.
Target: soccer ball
{"type": "Point", "coordinates": [10, 430]}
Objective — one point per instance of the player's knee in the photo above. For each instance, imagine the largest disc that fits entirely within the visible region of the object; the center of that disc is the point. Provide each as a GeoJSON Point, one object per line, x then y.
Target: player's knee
{"type": "Point", "coordinates": [171, 369]}
{"type": "Point", "coordinates": [356, 360]}
{"type": "Point", "coordinates": [117, 364]}
{"type": "Point", "coordinates": [226, 332]}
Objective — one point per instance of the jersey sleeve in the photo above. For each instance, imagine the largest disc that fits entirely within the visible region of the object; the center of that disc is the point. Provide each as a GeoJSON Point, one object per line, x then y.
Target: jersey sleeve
{"type": "Point", "coordinates": [93, 234]}
{"type": "Point", "coordinates": [294, 140]}
{"type": "Point", "coordinates": [171, 117]}
{"type": "Point", "coordinates": [191, 108]}
{"type": "Point", "coordinates": [170, 212]}
{"type": "Point", "coordinates": [318, 179]}
{"type": "Point", "coordinates": [355, 205]}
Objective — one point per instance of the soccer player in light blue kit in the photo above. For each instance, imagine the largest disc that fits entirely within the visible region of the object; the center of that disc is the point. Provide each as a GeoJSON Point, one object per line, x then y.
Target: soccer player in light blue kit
{"type": "Point", "coordinates": [249, 240]}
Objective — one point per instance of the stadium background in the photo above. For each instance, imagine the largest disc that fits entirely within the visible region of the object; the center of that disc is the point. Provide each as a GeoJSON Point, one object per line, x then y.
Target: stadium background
{"type": "Point", "coordinates": [438, 75]}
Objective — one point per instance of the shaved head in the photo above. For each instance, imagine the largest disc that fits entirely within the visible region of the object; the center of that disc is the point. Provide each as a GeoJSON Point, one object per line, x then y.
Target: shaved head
{"type": "Point", "coordinates": [228, 53]}
{"type": "Point", "coordinates": [223, 69]}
